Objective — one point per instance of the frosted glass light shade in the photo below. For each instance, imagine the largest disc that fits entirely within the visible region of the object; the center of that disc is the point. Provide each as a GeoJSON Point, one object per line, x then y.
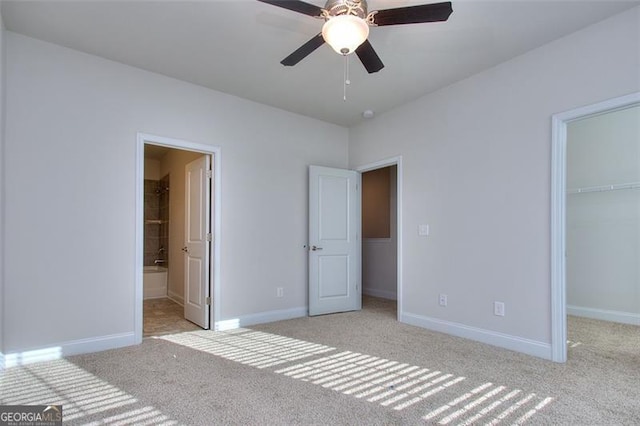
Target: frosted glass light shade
{"type": "Point", "coordinates": [345, 33]}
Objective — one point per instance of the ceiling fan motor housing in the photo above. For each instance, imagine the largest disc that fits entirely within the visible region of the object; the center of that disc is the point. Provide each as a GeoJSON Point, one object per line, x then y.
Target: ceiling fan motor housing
{"type": "Point", "coordinates": [347, 7]}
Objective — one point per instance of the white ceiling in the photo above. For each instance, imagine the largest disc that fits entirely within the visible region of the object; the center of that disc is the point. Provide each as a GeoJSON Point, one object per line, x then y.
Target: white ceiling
{"type": "Point", "coordinates": [235, 46]}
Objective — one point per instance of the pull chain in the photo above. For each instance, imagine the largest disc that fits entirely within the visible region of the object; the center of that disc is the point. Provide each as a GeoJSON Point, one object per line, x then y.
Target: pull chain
{"type": "Point", "coordinates": [346, 77]}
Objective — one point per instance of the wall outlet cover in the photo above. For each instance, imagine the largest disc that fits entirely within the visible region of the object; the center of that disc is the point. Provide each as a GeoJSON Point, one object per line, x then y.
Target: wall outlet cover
{"type": "Point", "coordinates": [442, 300]}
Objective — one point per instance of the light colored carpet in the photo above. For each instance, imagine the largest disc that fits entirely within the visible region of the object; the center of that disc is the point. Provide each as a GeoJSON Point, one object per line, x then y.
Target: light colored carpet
{"type": "Point", "coordinates": [360, 368]}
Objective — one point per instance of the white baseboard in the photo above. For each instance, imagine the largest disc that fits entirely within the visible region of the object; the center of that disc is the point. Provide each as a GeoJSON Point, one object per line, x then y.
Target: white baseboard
{"type": "Point", "coordinates": [383, 294]}
{"type": "Point", "coordinates": [74, 347]}
{"type": "Point", "coordinates": [175, 297]}
{"type": "Point", "coordinates": [97, 344]}
{"type": "Point", "coordinates": [604, 314]}
{"type": "Point", "coordinates": [261, 318]}
{"type": "Point", "coordinates": [514, 343]}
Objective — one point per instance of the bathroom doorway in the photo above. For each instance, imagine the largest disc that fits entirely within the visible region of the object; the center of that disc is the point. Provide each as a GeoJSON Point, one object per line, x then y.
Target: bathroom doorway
{"type": "Point", "coordinates": [178, 188]}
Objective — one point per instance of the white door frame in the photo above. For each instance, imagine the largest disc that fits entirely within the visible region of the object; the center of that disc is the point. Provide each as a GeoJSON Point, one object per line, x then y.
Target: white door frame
{"type": "Point", "coordinates": [558, 213]}
{"type": "Point", "coordinates": [142, 139]}
{"type": "Point", "coordinates": [393, 161]}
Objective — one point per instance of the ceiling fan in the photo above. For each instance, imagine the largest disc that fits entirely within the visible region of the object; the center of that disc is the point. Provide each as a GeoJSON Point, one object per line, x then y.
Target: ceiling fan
{"type": "Point", "coordinates": [347, 23]}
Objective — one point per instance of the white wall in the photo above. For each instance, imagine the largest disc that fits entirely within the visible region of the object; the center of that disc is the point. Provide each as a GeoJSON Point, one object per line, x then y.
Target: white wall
{"type": "Point", "coordinates": [380, 256]}
{"type": "Point", "coordinates": [2, 179]}
{"type": "Point", "coordinates": [476, 167]}
{"type": "Point", "coordinates": [72, 121]}
{"type": "Point", "coordinates": [603, 228]}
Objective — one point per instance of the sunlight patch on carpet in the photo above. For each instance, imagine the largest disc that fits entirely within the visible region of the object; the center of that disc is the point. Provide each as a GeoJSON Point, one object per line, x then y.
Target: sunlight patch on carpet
{"type": "Point", "coordinates": [81, 394]}
{"type": "Point", "coordinates": [255, 348]}
{"type": "Point", "coordinates": [400, 386]}
{"type": "Point", "coordinates": [392, 384]}
{"type": "Point", "coordinates": [386, 382]}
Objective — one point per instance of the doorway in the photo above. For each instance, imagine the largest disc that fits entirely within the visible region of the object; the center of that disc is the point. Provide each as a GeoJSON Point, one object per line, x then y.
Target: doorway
{"type": "Point", "coordinates": [381, 236]}
{"type": "Point", "coordinates": [603, 232]}
{"type": "Point", "coordinates": [178, 242]}
{"type": "Point", "coordinates": [560, 191]}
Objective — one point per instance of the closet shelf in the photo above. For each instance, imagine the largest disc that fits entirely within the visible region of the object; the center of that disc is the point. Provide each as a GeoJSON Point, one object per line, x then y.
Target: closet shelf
{"type": "Point", "coordinates": [604, 188]}
{"type": "Point", "coordinates": [155, 222]}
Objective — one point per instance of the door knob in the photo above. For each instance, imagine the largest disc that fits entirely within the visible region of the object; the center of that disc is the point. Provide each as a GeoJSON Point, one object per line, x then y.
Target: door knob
{"type": "Point", "coordinates": [314, 248]}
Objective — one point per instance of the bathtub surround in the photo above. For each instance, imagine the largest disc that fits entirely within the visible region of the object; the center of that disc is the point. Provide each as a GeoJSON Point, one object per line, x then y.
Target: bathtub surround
{"type": "Point", "coordinates": [164, 190]}
{"type": "Point", "coordinates": [156, 222]}
{"type": "Point", "coordinates": [151, 222]}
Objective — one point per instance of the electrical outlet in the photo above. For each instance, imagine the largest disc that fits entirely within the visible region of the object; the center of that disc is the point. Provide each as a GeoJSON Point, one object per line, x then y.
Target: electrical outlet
{"type": "Point", "coordinates": [498, 309]}
{"type": "Point", "coordinates": [279, 292]}
{"type": "Point", "coordinates": [442, 300]}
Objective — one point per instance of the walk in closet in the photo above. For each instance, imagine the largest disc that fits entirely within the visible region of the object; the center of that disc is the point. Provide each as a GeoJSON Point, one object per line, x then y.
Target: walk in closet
{"type": "Point", "coordinates": [603, 216]}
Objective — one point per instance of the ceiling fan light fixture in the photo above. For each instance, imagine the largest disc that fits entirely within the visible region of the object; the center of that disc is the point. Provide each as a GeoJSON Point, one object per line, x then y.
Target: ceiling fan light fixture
{"type": "Point", "coordinates": [344, 33]}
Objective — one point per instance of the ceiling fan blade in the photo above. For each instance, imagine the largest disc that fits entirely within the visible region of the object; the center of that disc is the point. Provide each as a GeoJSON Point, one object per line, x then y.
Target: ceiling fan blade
{"type": "Point", "coordinates": [369, 57]}
{"type": "Point", "coordinates": [296, 6]}
{"type": "Point", "coordinates": [303, 51]}
{"type": "Point", "coordinates": [413, 14]}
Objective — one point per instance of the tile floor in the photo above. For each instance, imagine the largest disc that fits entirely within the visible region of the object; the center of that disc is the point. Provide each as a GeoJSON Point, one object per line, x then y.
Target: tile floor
{"type": "Point", "coordinates": [164, 316]}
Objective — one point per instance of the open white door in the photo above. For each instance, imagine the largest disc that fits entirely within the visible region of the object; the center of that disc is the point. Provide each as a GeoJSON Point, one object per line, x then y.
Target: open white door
{"type": "Point", "coordinates": [334, 244]}
{"type": "Point", "coordinates": [197, 241]}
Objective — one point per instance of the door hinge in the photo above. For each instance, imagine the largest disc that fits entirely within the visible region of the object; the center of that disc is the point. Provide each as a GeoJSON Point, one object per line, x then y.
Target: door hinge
{"type": "Point", "coordinates": [209, 174]}
{"type": "Point", "coordinates": [207, 300]}
{"type": "Point", "coordinates": [209, 236]}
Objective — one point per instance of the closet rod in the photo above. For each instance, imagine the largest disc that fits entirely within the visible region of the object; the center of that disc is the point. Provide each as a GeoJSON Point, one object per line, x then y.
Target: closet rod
{"type": "Point", "coordinates": [603, 188]}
